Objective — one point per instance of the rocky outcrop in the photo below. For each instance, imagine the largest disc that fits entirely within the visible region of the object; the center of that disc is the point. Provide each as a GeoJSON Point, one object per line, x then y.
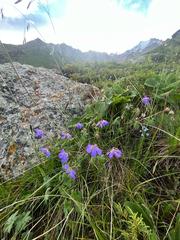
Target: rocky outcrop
{"type": "Point", "coordinates": [34, 98]}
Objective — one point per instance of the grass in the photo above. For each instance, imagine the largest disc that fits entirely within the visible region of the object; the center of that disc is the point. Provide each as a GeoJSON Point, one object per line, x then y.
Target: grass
{"type": "Point", "coordinates": [134, 197]}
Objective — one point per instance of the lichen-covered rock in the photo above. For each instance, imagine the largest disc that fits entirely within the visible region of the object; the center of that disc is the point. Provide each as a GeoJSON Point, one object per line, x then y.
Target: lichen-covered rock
{"type": "Point", "coordinates": [34, 98]}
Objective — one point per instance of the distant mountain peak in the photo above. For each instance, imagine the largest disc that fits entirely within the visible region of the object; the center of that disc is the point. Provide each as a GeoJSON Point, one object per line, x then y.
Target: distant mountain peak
{"type": "Point", "coordinates": [140, 49]}
{"type": "Point", "coordinates": [36, 41]}
{"type": "Point", "coordinates": [145, 46]}
{"type": "Point", "coordinates": [176, 34]}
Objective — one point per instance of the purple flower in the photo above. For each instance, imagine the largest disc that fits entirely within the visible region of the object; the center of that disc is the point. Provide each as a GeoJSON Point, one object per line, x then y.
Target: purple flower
{"type": "Point", "coordinates": [72, 174]}
{"type": "Point", "coordinates": [93, 150]}
{"type": "Point", "coordinates": [38, 133]}
{"type": "Point", "coordinates": [79, 126]}
{"type": "Point", "coordinates": [146, 100]}
{"type": "Point", "coordinates": [63, 156]}
{"type": "Point", "coordinates": [45, 151]}
{"type": "Point", "coordinates": [66, 167]}
{"type": "Point", "coordinates": [65, 135]}
{"type": "Point", "coordinates": [114, 153]}
{"type": "Point", "coordinates": [102, 123]}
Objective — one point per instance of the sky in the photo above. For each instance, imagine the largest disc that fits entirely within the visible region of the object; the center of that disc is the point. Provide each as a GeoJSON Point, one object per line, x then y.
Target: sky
{"type": "Point", "coordinates": [111, 26]}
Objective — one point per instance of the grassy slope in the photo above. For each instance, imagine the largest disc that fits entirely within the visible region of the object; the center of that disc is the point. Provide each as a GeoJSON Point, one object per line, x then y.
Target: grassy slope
{"type": "Point", "coordinates": [134, 197]}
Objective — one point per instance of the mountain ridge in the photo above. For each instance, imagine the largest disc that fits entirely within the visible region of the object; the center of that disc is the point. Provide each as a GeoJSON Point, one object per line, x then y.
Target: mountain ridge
{"type": "Point", "coordinates": [39, 53]}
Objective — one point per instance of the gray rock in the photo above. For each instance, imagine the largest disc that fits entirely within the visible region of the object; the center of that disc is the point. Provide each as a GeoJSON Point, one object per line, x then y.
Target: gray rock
{"type": "Point", "coordinates": [36, 98]}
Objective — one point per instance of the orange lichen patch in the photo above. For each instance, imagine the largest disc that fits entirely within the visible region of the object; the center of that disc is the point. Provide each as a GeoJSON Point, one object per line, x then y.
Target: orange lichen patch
{"type": "Point", "coordinates": [11, 149]}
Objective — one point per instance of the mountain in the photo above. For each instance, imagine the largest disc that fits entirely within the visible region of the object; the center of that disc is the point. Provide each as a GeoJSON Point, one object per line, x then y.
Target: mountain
{"type": "Point", "coordinates": [168, 51]}
{"type": "Point", "coordinates": [38, 53]}
{"type": "Point", "coordinates": [176, 36]}
{"type": "Point", "coordinates": [139, 50]}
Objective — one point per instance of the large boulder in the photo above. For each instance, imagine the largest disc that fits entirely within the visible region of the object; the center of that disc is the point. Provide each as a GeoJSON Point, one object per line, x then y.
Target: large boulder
{"type": "Point", "coordinates": [34, 98]}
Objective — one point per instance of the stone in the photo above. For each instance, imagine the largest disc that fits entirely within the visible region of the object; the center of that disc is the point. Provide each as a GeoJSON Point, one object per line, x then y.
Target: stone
{"type": "Point", "coordinates": [35, 98]}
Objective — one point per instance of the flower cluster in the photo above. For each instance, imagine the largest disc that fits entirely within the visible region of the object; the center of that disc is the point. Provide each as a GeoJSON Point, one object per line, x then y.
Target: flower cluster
{"type": "Point", "coordinates": [94, 150]}
{"type": "Point", "coordinates": [63, 156]}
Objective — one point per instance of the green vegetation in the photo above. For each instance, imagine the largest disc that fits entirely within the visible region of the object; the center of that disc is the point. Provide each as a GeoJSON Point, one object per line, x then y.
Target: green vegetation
{"type": "Point", "coordinates": [161, 62]}
{"type": "Point", "coordinates": [61, 56]}
{"type": "Point", "coordinates": [131, 198]}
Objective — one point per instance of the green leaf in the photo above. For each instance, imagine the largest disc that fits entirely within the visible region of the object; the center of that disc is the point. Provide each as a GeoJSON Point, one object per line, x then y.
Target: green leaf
{"type": "Point", "coordinates": [153, 236]}
{"type": "Point", "coordinates": [46, 195]}
{"type": "Point", "coordinates": [10, 222]}
{"type": "Point", "coordinates": [118, 99]}
{"type": "Point", "coordinates": [177, 228]}
{"type": "Point", "coordinates": [22, 221]}
{"type": "Point", "coordinates": [152, 82]}
{"type": "Point", "coordinates": [143, 211]}
{"type": "Point", "coordinates": [67, 206]}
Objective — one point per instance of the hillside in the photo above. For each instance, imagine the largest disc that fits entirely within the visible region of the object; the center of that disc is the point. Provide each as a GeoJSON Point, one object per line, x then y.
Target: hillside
{"type": "Point", "coordinates": [93, 154]}
{"type": "Point", "coordinates": [112, 171]}
{"type": "Point", "coordinates": [168, 52]}
{"type": "Point", "coordinates": [39, 53]}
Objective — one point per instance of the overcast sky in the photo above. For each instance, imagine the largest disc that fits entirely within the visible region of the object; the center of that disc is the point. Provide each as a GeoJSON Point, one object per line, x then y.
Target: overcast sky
{"type": "Point", "coordinates": [111, 26]}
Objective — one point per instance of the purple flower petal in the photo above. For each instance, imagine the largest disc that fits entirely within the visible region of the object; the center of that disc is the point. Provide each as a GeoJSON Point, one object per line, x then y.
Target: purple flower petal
{"type": "Point", "coordinates": [38, 133]}
{"type": "Point", "coordinates": [146, 100]}
{"type": "Point", "coordinates": [99, 151]}
{"type": "Point", "coordinates": [63, 156]}
{"type": "Point", "coordinates": [65, 135]}
{"type": "Point", "coordinates": [102, 123]}
{"type": "Point", "coordinates": [89, 148]}
{"type": "Point", "coordinates": [114, 153]}
{"type": "Point", "coordinates": [110, 155]}
{"type": "Point", "coordinates": [93, 150]}
{"type": "Point", "coordinates": [66, 167]}
{"type": "Point", "coordinates": [117, 153]}
{"type": "Point", "coordinates": [45, 151]}
{"type": "Point", "coordinates": [72, 174]}
{"type": "Point", "coordinates": [79, 125]}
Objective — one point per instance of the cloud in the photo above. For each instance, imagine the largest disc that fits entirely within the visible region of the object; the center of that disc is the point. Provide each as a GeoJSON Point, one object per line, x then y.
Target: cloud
{"type": "Point", "coordinates": [20, 23]}
{"type": "Point", "coordinates": [100, 25]}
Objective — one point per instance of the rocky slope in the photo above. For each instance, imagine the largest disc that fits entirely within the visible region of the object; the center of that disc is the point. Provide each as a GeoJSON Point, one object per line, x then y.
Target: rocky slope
{"type": "Point", "coordinates": [139, 50]}
{"type": "Point", "coordinates": [34, 98]}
